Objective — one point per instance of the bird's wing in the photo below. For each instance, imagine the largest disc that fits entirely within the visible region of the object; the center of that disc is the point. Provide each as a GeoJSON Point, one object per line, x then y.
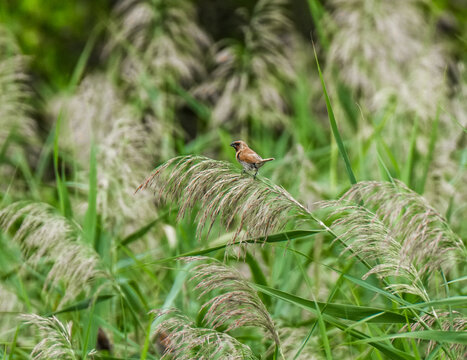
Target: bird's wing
{"type": "Point", "coordinates": [249, 156]}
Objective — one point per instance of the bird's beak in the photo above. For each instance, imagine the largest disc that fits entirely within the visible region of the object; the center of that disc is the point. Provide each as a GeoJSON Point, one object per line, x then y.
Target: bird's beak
{"type": "Point", "coordinates": [232, 145]}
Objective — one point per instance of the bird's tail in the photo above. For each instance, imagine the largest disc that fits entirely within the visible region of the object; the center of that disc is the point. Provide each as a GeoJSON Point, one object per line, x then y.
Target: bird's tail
{"type": "Point", "coordinates": [266, 160]}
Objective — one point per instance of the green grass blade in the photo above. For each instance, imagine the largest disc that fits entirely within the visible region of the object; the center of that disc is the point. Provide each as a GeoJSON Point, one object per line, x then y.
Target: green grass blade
{"type": "Point", "coordinates": [459, 301]}
{"type": "Point", "coordinates": [177, 286]}
{"type": "Point", "coordinates": [142, 231]}
{"type": "Point", "coordinates": [82, 305]}
{"type": "Point", "coordinates": [316, 12]}
{"type": "Point", "coordinates": [389, 350]}
{"type": "Point", "coordinates": [334, 127]}
{"type": "Point", "coordinates": [348, 104]}
{"type": "Point", "coordinates": [198, 107]}
{"type": "Point", "coordinates": [431, 150]}
{"type": "Point", "coordinates": [342, 311]}
{"type": "Point", "coordinates": [84, 57]}
{"type": "Point", "coordinates": [45, 154]}
{"type": "Point", "coordinates": [281, 237]}
{"type": "Point", "coordinates": [385, 173]}
{"type": "Point", "coordinates": [15, 340]}
{"type": "Point", "coordinates": [258, 276]}
{"type": "Point", "coordinates": [65, 205]}
{"type": "Point", "coordinates": [323, 332]}
{"type": "Point", "coordinates": [456, 337]}
{"type": "Point", "coordinates": [144, 351]}
{"type": "Point", "coordinates": [90, 219]}
{"type": "Point", "coordinates": [407, 173]}
{"type": "Point", "coordinates": [366, 285]}
{"type": "Point", "coordinates": [285, 236]}
{"type": "Point", "coordinates": [384, 149]}
{"type": "Point", "coordinates": [463, 278]}
{"type": "Point", "coordinates": [91, 331]}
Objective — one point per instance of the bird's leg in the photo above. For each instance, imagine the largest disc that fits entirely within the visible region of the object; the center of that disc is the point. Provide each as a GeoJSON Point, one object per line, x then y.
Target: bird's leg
{"type": "Point", "coordinates": [256, 173]}
{"type": "Point", "coordinates": [243, 171]}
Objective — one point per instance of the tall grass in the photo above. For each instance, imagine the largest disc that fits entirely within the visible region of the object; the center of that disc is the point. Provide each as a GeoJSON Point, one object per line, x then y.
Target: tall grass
{"type": "Point", "coordinates": [352, 246]}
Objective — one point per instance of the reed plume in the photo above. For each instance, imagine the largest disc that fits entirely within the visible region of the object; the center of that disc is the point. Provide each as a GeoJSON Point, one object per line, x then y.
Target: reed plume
{"type": "Point", "coordinates": [446, 321]}
{"type": "Point", "coordinates": [14, 91]}
{"type": "Point", "coordinates": [57, 342]}
{"type": "Point", "coordinates": [224, 194]}
{"type": "Point", "coordinates": [381, 51]}
{"type": "Point", "coordinates": [246, 81]}
{"type": "Point", "coordinates": [396, 227]}
{"type": "Point", "coordinates": [183, 340]}
{"type": "Point", "coordinates": [45, 237]}
{"type": "Point", "coordinates": [97, 116]}
{"type": "Point", "coordinates": [238, 306]}
{"type": "Point", "coordinates": [16, 125]}
{"type": "Point", "coordinates": [162, 41]}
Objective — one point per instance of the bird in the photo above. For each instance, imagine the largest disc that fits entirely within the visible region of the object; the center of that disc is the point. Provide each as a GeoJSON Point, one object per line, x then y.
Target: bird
{"type": "Point", "coordinates": [247, 157]}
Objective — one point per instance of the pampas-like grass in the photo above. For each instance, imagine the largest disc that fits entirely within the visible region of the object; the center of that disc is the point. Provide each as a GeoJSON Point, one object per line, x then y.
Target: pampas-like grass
{"type": "Point", "coordinates": [14, 109]}
{"type": "Point", "coordinates": [384, 223]}
{"type": "Point", "coordinates": [224, 194]}
{"type": "Point", "coordinates": [238, 306]}
{"type": "Point", "coordinates": [182, 340]}
{"type": "Point", "coordinates": [56, 338]}
{"type": "Point", "coordinates": [381, 50]}
{"type": "Point", "coordinates": [16, 126]}
{"type": "Point", "coordinates": [47, 237]}
{"type": "Point", "coordinates": [97, 116]}
{"type": "Point", "coordinates": [396, 227]}
{"type": "Point", "coordinates": [166, 42]}
{"type": "Point", "coordinates": [446, 321]}
{"type": "Point", "coordinates": [246, 81]}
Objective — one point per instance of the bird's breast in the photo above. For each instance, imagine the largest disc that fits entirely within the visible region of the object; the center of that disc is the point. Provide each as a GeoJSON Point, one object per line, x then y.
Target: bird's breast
{"type": "Point", "coordinates": [248, 166]}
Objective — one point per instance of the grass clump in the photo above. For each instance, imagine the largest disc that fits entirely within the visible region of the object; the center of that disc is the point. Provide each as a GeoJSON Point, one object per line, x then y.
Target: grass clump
{"type": "Point", "coordinates": [351, 245]}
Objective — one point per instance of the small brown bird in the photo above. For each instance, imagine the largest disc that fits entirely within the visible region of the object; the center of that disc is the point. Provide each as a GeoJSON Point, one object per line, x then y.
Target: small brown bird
{"type": "Point", "coordinates": [247, 157]}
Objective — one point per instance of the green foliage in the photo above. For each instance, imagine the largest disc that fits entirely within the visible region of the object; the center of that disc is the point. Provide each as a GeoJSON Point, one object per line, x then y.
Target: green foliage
{"type": "Point", "coordinates": [303, 262]}
{"type": "Point", "coordinates": [53, 33]}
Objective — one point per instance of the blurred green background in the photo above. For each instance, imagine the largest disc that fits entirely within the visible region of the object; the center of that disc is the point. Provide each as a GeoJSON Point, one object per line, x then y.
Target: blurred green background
{"type": "Point", "coordinates": [95, 94]}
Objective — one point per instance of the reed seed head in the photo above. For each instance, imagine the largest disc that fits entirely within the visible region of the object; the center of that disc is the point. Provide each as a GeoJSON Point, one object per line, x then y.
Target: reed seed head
{"type": "Point", "coordinates": [224, 194]}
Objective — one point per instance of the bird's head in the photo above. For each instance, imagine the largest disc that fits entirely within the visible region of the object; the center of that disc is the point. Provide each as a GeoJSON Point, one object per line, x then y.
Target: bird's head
{"type": "Point", "coordinates": [239, 145]}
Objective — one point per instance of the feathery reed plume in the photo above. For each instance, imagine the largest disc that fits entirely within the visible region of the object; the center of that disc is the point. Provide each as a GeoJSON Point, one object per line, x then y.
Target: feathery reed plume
{"type": "Point", "coordinates": [384, 50]}
{"type": "Point", "coordinates": [398, 228]}
{"type": "Point", "coordinates": [224, 194]}
{"type": "Point", "coordinates": [372, 240]}
{"type": "Point", "coordinates": [239, 306]}
{"type": "Point", "coordinates": [57, 342]}
{"type": "Point", "coordinates": [246, 81]}
{"type": "Point", "coordinates": [16, 127]}
{"type": "Point", "coordinates": [13, 90]}
{"type": "Point", "coordinates": [446, 321]}
{"type": "Point", "coordinates": [46, 236]}
{"type": "Point", "coordinates": [165, 41]}
{"type": "Point", "coordinates": [184, 341]}
{"type": "Point", "coordinates": [96, 115]}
